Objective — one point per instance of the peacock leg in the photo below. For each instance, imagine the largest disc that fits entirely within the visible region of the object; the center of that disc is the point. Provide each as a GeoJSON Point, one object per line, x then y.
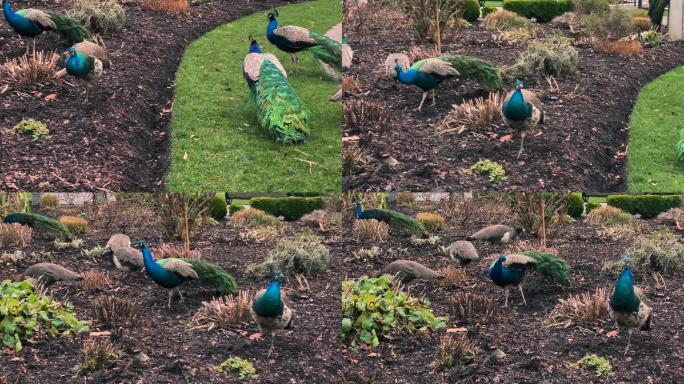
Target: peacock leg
{"type": "Point", "coordinates": [170, 296]}
{"type": "Point", "coordinates": [505, 297]}
{"type": "Point", "coordinates": [270, 350]}
{"type": "Point", "coordinates": [181, 295]}
{"type": "Point", "coordinates": [433, 98]}
{"type": "Point", "coordinates": [629, 339]}
{"type": "Point", "coordinates": [522, 294]}
{"type": "Point", "coordinates": [522, 140]}
{"type": "Point", "coordinates": [420, 106]}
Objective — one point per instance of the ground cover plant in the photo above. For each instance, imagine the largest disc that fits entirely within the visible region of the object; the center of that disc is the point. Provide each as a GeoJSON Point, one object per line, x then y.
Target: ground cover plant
{"type": "Point", "coordinates": [216, 138]}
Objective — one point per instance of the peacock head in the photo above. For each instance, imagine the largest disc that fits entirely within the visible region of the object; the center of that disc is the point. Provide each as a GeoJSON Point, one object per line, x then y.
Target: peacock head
{"type": "Point", "coordinates": [273, 15]}
{"type": "Point", "coordinates": [141, 244]}
{"type": "Point", "coordinates": [502, 258]}
{"type": "Point", "coordinates": [397, 66]}
{"type": "Point", "coordinates": [71, 51]}
{"type": "Point", "coordinates": [627, 261]}
{"type": "Point", "coordinates": [253, 45]}
{"type": "Point", "coordinates": [519, 84]}
{"type": "Point", "coordinates": [277, 274]}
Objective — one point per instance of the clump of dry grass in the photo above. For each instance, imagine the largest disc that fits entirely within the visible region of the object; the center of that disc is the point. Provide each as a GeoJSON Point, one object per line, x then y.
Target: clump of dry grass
{"type": "Point", "coordinates": [359, 113]}
{"type": "Point", "coordinates": [406, 198]}
{"type": "Point", "coordinates": [351, 85]}
{"type": "Point", "coordinates": [168, 250]}
{"type": "Point", "coordinates": [582, 308]}
{"type": "Point", "coordinates": [455, 351]}
{"type": "Point", "coordinates": [355, 159]}
{"type": "Point", "coordinates": [432, 221]}
{"type": "Point", "coordinates": [518, 35]}
{"type": "Point", "coordinates": [453, 277]}
{"type": "Point", "coordinates": [49, 201]}
{"type": "Point", "coordinates": [223, 311]}
{"type": "Point", "coordinates": [622, 231]}
{"type": "Point", "coordinates": [115, 312]}
{"type": "Point", "coordinates": [252, 218]}
{"type": "Point", "coordinates": [74, 223]}
{"type": "Point", "coordinates": [260, 234]}
{"type": "Point", "coordinates": [174, 6]}
{"type": "Point", "coordinates": [484, 208]}
{"type": "Point", "coordinates": [326, 220]}
{"type": "Point", "coordinates": [466, 305]}
{"type": "Point", "coordinates": [98, 355]}
{"type": "Point", "coordinates": [37, 67]}
{"type": "Point", "coordinates": [371, 230]}
{"type": "Point", "coordinates": [620, 47]}
{"type": "Point", "coordinates": [95, 281]}
{"type": "Point", "coordinates": [502, 19]}
{"type": "Point", "coordinates": [478, 113]}
{"type": "Point", "coordinates": [15, 235]}
{"type": "Point", "coordinates": [528, 246]}
{"type": "Point", "coordinates": [607, 215]}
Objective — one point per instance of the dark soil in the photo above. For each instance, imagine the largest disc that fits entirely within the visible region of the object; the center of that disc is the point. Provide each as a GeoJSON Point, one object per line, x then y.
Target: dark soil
{"type": "Point", "coordinates": [581, 146]}
{"type": "Point", "coordinates": [535, 353]}
{"type": "Point", "coordinates": [118, 141]}
{"type": "Point", "coordinates": [307, 354]}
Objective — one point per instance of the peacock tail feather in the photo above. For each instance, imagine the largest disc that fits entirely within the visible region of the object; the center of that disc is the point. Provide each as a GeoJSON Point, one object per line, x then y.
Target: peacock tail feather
{"type": "Point", "coordinates": [479, 70]}
{"type": "Point", "coordinates": [396, 219]}
{"type": "Point", "coordinates": [550, 266]}
{"type": "Point", "coordinates": [69, 29]}
{"type": "Point", "coordinates": [328, 54]}
{"type": "Point", "coordinates": [280, 111]}
{"type": "Point", "coordinates": [212, 275]}
{"type": "Point", "coordinates": [39, 222]}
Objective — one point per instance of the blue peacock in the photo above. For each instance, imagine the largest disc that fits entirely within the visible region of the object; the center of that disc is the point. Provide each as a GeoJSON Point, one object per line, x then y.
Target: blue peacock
{"type": "Point", "coordinates": [170, 273]}
{"type": "Point", "coordinates": [38, 222]}
{"type": "Point", "coordinates": [391, 217]}
{"type": "Point", "coordinates": [32, 22]}
{"type": "Point", "coordinates": [428, 73]}
{"type": "Point", "coordinates": [522, 110]}
{"type": "Point", "coordinates": [507, 271]}
{"type": "Point", "coordinates": [629, 306]}
{"type": "Point", "coordinates": [279, 110]}
{"type": "Point", "coordinates": [293, 39]}
{"type": "Point", "coordinates": [270, 311]}
{"type": "Point", "coordinates": [87, 60]}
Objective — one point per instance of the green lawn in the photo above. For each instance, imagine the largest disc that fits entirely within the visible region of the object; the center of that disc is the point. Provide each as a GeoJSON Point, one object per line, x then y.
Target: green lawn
{"type": "Point", "coordinates": [655, 123]}
{"type": "Point", "coordinates": [494, 4]}
{"type": "Point", "coordinates": [217, 143]}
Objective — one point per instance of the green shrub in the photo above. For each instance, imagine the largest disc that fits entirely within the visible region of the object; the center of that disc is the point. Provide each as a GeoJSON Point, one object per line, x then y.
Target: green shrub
{"type": "Point", "coordinates": [660, 251]}
{"type": "Point", "coordinates": [493, 170]}
{"type": "Point", "coordinates": [504, 20]}
{"type": "Point", "coordinates": [542, 10]}
{"type": "Point", "coordinates": [487, 10]}
{"type": "Point", "coordinates": [235, 207]}
{"type": "Point", "coordinates": [611, 25]}
{"type": "Point", "coordinates": [242, 368]}
{"type": "Point", "coordinates": [291, 208]}
{"type": "Point", "coordinates": [586, 7]}
{"type": "Point", "coordinates": [575, 204]}
{"type": "Point", "coordinates": [375, 308]}
{"type": "Point", "coordinates": [471, 10]}
{"type": "Point", "coordinates": [37, 129]}
{"type": "Point", "coordinates": [607, 215]}
{"type": "Point", "coordinates": [101, 16]}
{"type": "Point", "coordinates": [219, 207]}
{"type": "Point", "coordinates": [303, 254]}
{"type": "Point", "coordinates": [600, 365]}
{"type": "Point", "coordinates": [591, 205]}
{"type": "Point", "coordinates": [553, 56]}
{"type": "Point", "coordinates": [648, 206]}
{"type": "Point", "coordinates": [27, 314]}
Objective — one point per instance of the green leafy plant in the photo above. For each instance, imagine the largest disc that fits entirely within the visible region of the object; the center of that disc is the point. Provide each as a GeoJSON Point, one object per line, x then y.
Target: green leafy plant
{"type": "Point", "coordinates": [376, 308]}
{"type": "Point", "coordinates": [219, 207]}
{"type": "Point", "coordinates": [591, 205]}
{"type": "Point", "coordinates": [493, 170]}
{"type": "Point", "coordinates": [244, 369]}
{"type": "Point", "coordinates": [26, 315]}
{"type": "Point", "coordinates": [600, 365]}
{"type": "Point", "coordinates": [652, 38]}
{"type": "Point", "coordinates": [37, 129]}
{"type": "Point", "coordinates": [648, 206]}
{"type": "Point", "coordinates": [575, 204]}
{"type": "Point", "coordinates": [471, 11]}
{"type": "Point", "coordinates": [542, 10]}
{"type": "Point", "coordinates": [488, 10]}
{"type": "Point", "coordinates": [102, 16]}
{"type": "Point", "coordinates": [303, 254]}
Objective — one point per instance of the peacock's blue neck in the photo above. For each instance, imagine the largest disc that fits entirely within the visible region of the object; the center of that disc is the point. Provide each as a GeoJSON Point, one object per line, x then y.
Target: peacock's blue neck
{"type": "Point", "coordinates": [407, 77]}
{"type": "Point", "coordinates": [270, 304]}
{"type": "Point", "coordinates": [272, 25]}
{"type": "Point", "coordinates": [624, 299]}
{"type": "Point", "coordinates": [358, 211]}
{"type": "Point", "coordinates": [517, 108]}
{"type": "Point", "coordinates": [254, 48]}
{"type": "Point", "coordinates": [155, 271]}
{"type": "Point", "coordinates": [503, 276]}
{"type": "Point", "coordinates": [75, 64]}
{"type": "Point", "coordinates": [19, 23]}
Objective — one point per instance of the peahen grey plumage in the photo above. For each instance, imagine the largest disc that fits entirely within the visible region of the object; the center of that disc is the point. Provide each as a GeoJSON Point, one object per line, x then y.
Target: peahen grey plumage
{"type": "Point", "coordinates": [49, 273]}
{"type": "Point", "coordinates": [408, 270]}
{"type": "Point", "coordinates": [498, 233]}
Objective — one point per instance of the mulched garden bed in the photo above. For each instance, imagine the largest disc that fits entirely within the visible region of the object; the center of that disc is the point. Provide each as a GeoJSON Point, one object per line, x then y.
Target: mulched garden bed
{"type": "Point", "coordinates": [581, 147]}
{"type": "Point", "coordinates": [120, 140]}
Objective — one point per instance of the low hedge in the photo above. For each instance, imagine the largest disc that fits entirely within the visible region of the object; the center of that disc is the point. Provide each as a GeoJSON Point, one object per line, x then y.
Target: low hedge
{"type": "Point", "coordinates": [542, 10]}
{"type": "Point", "coordinates": [590, 206]}
{"type": "Point", "coordinates": [234, 207]}
{"type": "Point", "coordinates": [219, 207]}
{"type": "Point", "coordinates": [575, 204]}
{"type": "Point", "coordinates": [291, 208]}
{"type": "Point", "coordinates": [471, 10]}
{"type": "Point", "coordinates": [487, 10]}
{"type": "Point", "coordinates": [648, 206]}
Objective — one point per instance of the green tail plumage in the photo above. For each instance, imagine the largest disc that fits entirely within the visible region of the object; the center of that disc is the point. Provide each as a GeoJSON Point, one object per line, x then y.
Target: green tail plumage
{"type": "Point", "coordinates": [39, 222]}
{"type": "Point", "coordinates": [69, 29]}
{"type": "Point", "coordinates": [477, 69]}
{"type": "Point", "coordinates": [328, 54]}
{"type": "Point", "coordinates": [550, 266]}
{"type": "Point", "coordinates": [214, 276]}
{"type": "Point", "coordinates": [396, 219]}
{"type": "Point", "coordinates": [279, 109]}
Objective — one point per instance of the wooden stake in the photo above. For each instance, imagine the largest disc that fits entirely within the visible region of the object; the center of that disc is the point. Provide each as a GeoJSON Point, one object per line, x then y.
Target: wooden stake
{"type": "Point", "coordinates": [438, 34]}
{"type": "Point", "coordinates": [542, 230]}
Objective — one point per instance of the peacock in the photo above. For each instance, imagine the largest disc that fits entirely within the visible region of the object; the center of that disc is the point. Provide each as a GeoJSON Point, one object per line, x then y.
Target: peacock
{"type": "Point", "coordinates": [293, 39]}
{"type": "Point", "coordinates": [429, 73]}
{"type": "Point", "coordinates": [38, 222]}
{"type": "Point", "coordinates": [122, 255]}
{"type": "Point", "coordinates": [510, 270]}
{"type": "Point", "coordinates": [270, 310]}
{"type": "Point", "coordinates": [172, 272]}
{"type": "Point", "coordinates": [408, 270]}
{"type": "Point", "coordinates": [522, 111]}
{"type": "Point", "coordinates": [498, 233]}
{"type": "Point", "coordinates": [49, 273]}
{"type": "Point", "coordinates": [391, 217]}
{"type": "Point", "coordinates": [629, 306]}
{"type": "Point", "coordinates": [87, 60]}
{"type": "Point", "coordinates": [32, 22]}
{"type": "Point", "coordinates": [279, 110]}
{"type": "Point", "coordinates": [464, 251]}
